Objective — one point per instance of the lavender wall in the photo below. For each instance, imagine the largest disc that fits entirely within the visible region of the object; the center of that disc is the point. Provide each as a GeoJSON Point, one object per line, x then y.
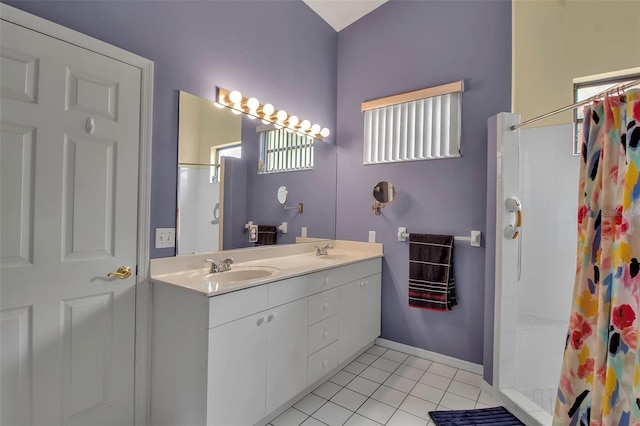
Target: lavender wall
{"type": "Point", "coordinates": [278, 51]}
{"type": "Point", "coordinates": [409, 45]}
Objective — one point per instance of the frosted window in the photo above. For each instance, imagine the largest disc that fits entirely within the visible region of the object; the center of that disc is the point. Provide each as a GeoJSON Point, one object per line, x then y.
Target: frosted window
{"type": "Point", "coordinates": [418, 130]}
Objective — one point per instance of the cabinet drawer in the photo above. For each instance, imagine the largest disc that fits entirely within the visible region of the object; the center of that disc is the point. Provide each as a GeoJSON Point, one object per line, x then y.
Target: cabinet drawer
{"type": "Point", "coordinates": [322, 362]}
{"type": "Point", "coordinates": [323, 305]}
{"type": "Point", "coordinates": [232, 306]}
{"type": "Point", "coordinates": [285, 291]}
{"type": "Point", "coordinates": [323, 333]}
{"type": "Point", "coordinates": [331, 278]}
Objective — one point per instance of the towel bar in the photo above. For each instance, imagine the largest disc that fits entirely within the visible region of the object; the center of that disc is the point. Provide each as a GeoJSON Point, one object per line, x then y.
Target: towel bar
{"type": "Point", "coordinates": [474, 239]}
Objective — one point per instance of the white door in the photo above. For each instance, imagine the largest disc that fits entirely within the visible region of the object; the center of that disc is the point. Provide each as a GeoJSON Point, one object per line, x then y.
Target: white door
{"type": "Point", "coordinates": [69, 167]}
{"type": "Point", "coordinates": [371, 308]}
{"type": "Point", "coordinates": [286, 352]}
{"type": "Point", "coordinates": [350, 330]}
{"type": "Point", "coordinates": [237, 372]}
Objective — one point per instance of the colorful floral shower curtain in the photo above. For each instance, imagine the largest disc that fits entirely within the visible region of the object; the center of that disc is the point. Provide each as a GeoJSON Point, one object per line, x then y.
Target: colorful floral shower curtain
{"type": "Point", "coordinates": [599, 384]}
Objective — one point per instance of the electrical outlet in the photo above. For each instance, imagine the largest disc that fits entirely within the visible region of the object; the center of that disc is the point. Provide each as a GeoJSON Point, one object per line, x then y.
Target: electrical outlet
{"type": "Point", "coordinates": [303, 232]}
{"type": "Point", "coordinates": [372, 236]}
{"type": "Point", "coordinates": [165, 237]}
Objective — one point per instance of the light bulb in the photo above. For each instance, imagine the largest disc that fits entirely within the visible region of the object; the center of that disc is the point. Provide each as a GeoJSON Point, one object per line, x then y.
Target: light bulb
{"type": "Point", "coordinates": [325, 132]}
{"type": "Point", "coordinates": [289, 130]}
{"type": "Point", "coordinates": [253, 104]}
{"type": "Point", "coordinates": [315, 129]}
{"type": "Point", "coordinates": [293, 121]}
{"type": "Point", "coordinates": [235, 97]}
{"type": "Point", "coordinates": [277, 126]}
{"type": "Point", "coordinates": [265, 121]}
{"type": "Point", "coordinates": [281, 115]}
{"type": "Point", "coordinates": [218, 105]}
{"type": "Point", "coordinates": [236, 109]}
{"type": "Point", "coordinates": [268, 109]}
{"type": "Point", "coordinates": [305, 125]}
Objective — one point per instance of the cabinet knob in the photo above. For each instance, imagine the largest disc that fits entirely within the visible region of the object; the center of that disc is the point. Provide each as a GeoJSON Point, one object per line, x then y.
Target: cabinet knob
{"type": "Point", "coordinates": [325, 334]}
{"type": "Point", "coordinates": [325, 281]}
{"type": "Point", "coordinates": [325, 306]}
{"type": "Point", "coordinates": [261, 321]}
{"type": "Point", "coordinates": [271, 317]}
{"type": "Point", "coordinates": [324, 363]}
{"type": "Point", "coordinates": [366, 282]}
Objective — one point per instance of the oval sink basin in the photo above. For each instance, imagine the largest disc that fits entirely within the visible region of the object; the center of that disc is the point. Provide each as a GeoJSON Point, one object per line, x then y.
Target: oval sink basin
{"type": "Point", "coordinates": [243, 274]}
{"type": "Point", "coordinates": [333, 256]}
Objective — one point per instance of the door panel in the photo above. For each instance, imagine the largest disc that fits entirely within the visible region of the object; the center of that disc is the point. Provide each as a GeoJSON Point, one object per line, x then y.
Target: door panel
{"type": "Point", "coordinates": [69, 157]}
{"type": "Point", "coordinates": [15, 353]}
{"type": "Point", "coordinates": [17, 171]}
{"type": "Point", "coordinates": [86, 347]}
{"type": "Point", "coordinates": [350, 332]}
{"type": "Point", "coordinates": [88, 198]}
{"type": "Point", "coordinates": [371, 306]}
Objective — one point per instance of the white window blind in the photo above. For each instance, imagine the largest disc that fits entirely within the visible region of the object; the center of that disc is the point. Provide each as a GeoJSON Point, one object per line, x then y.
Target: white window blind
{"type": "Point", "coordinates": [284, 151]}
{"type": "Point", "coordinates": [422, 129]}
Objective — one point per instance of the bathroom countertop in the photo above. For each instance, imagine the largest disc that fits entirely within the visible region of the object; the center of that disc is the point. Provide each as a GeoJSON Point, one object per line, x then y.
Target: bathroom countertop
{"type": "Point", "coordinates": [254, 267]}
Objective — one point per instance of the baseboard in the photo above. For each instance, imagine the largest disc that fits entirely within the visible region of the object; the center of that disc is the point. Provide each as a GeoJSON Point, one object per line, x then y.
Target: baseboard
{"type": "Point", "coordinates": [432, 356]}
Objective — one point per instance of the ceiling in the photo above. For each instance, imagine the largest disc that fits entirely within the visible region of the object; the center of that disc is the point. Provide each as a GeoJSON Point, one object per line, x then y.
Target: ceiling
{"type": "Point", "coordinates": [342, 13]}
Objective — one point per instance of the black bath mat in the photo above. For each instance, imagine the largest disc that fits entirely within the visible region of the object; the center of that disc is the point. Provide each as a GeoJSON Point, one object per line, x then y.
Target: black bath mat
{"type": "Point", "coordinates": [494, 416]}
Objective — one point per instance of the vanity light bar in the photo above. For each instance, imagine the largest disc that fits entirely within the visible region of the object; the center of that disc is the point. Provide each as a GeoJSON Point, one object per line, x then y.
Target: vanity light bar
{"type": "Point", "coordinates": [268, 114]}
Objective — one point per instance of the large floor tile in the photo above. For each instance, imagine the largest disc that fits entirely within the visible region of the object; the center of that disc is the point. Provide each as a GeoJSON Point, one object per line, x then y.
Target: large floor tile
{"type": "Point", "coordinates": [310, 403]}
{"type": "Point", "coordinates": [409, 372]}
{"type": "Point", "coordinates": [358, 420]}
{"type": "Point", "coordinates": [291, 417]}
{"type": "Point", "coordinates": [428, 393]}
{"type": "Point", "coordinates": [389, 396]}
{"type": "Point", "coordinates": [342, 378]}
{"type": "Point", "coordinates": [435, 380]}
{"type": "Point", "coordinates": [332, 414]}
{"type": "Point", "coordinates": [400, 383]}
{"type": "Point", "coordinates": [355, 367]}
{"type": "Point", "coordinates": [327, 390]}
{"type": "Point", "coordinates": [363, 386]}
{"type": "Point", "coordinates": [395, 356]}
{"type": "Point", "coordinates": [376, 350]}
{"type": "Point", "coordinates": [417, 407]}
{"type": "Point", "coordinates": [443, 370]}
{"type": "Point", "coordinates": [456, 402]}
{"type": "Point", "coordinates": [375, 374]}
{"type": "Point", "coordinates": [416, 362]}
{"type": "Point", "coordinates": [376, 410]}
{"type": "Point", "coordinates": [464, 390]}
{"type": "Point", "coordinates": [385, 364]}
{"type": "Point", "coordinates": [402, 418]}
{"type": "Point", "coordinates": [349, 399]}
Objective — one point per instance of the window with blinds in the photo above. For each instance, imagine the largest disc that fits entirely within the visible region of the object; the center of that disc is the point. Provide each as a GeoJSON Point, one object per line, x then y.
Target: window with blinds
{"type": "Point", "coordinates": [423, 127]}
{"type": "Point", "coordinates": [284, 151]}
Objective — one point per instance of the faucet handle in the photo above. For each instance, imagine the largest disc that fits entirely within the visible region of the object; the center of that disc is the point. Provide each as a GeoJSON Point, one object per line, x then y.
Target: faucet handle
{"type": "Point", "coordinates": [228, 261]}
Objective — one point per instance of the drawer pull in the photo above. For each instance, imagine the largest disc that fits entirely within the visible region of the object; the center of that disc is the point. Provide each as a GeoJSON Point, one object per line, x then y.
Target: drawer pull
{"type": "Point", "coordinates": [324, 363]}
{"type": "Point", "coordinates": [325, 334]}
{"type": "Point", "coordinates": [325, 306]}
{"type": "Point", "coordinates": [271, 317]}
{"type": "Point", "coordinates": [325, 281]}
{"type": "Point", "coordinates": [261, 321]}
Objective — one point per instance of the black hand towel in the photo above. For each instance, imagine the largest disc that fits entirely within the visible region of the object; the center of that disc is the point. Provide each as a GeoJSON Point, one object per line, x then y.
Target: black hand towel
{"type": "Point", "coordinates": [266, 235]}
{"type": "Point", "coordinates": [431, 282]}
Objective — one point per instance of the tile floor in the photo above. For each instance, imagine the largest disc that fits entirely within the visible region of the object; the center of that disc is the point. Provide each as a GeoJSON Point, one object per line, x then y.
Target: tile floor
{"type": "Point", "coordinates": [387, 387]}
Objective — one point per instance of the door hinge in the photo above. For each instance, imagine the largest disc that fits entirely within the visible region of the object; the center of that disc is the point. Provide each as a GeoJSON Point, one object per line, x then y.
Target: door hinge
{"type": "Point", "coordinates": [136, 270]}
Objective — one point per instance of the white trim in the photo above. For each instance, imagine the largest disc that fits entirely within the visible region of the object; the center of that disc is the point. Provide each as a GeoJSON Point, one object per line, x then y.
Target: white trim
{"type": "Point", "coordinates": [432, 356]}
{"type": "Point", "coordinates": [51, 29]}
{"type": "Point", "coordinates": [607, 75]}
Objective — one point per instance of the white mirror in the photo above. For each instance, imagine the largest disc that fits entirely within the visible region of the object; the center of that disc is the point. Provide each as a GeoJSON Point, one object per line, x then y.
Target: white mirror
{"type": "Point", "coordinates": [282, 195]}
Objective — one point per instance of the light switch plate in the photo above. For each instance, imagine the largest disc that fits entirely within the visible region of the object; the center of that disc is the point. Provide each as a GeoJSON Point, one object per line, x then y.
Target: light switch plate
{"type": "Point", "coordinates": [303, 232]}
{"type": "Point", "coordinates": [372, 236]}
{"type": "Point", "coordinates": [165, 237]}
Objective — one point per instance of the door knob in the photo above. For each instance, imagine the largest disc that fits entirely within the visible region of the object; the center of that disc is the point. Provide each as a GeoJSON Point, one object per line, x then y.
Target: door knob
{"type": "Point", "coordinates": [122, 273]}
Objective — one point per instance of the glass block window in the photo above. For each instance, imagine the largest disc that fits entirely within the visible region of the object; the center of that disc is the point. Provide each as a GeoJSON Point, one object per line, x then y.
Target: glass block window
{"type": "Point", "coordinates": [282, 150]}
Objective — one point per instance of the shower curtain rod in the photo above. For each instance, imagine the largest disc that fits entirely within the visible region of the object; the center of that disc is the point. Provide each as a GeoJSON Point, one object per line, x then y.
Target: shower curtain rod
{"type": "Point", "coordinates": [577, 104]}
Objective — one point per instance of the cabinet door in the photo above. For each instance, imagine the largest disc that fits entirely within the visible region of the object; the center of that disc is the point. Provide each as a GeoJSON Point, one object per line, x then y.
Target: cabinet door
{"type": "Point", "coordinates": [286, 352]}
{"type": "Point", "coordinates": [237, 372]}
{"type": "Point", "coordinates": [371, 305]}
{"type": "Point", "coordinates": [350, 330]}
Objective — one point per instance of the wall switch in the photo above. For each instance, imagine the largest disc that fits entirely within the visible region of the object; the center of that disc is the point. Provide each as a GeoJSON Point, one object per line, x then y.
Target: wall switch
{"type": "Point", "coordinates": [165, 237]}
{"type": "Point", "coordinates": [372, 236]}
{"type": "Point", "coordinates": [303, 232]}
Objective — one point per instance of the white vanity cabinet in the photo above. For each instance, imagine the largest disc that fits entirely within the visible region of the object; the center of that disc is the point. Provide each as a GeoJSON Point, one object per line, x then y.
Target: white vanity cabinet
{"type": "Point", "coordinates": [266, 350]}
{"type": "Point", "coordinates": [359, 319]}
{"type": "Point", "coordinates": [236, 358]}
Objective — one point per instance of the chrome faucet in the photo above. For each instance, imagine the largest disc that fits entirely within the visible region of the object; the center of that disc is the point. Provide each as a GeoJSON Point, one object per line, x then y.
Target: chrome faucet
{"type": "Point", "coordinates": [322, 251]}
{"type": "Point", "coordinates": [222, 266]}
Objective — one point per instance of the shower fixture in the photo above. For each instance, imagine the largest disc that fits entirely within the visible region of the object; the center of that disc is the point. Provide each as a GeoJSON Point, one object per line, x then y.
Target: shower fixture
{"type": "Point", "coordinates": [514, 231]}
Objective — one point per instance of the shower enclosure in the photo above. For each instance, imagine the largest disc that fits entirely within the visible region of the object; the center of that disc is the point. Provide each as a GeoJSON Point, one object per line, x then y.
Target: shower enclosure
{"type": "Point", "coordinates": [532, 314]}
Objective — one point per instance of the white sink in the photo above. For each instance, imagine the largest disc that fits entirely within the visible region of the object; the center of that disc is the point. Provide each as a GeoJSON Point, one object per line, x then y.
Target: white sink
{"type": "Point", "coordinates": [233, 276]}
